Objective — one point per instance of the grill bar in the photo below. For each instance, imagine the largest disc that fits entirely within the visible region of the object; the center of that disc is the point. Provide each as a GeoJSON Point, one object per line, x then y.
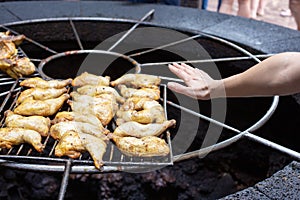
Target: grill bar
{"type": "Point", "coordinates": [76, 34]}
{"type": "Point", "coordinates": [207, 60]}
{"type": "Point", "coordinates": [145, 17]}
{"type": "Point", "coordinates": [166, 45]}
{"type": "Point", "coordinates": [65, 180]}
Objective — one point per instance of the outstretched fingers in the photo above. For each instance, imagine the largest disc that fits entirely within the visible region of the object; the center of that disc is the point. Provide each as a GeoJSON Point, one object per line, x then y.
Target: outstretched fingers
{"type": "Point", "coordinates": [184, 72]}
{"type": "Point", "coordinates": [176, 87]}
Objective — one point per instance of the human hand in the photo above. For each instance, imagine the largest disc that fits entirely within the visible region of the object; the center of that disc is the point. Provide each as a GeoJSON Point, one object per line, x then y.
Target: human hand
{"type": "Point", "coordinates": [199, 84]}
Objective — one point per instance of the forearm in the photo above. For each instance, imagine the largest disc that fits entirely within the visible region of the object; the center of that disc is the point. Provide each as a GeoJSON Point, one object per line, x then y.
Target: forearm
{"type": "Point", "coordinates": [278, 75]}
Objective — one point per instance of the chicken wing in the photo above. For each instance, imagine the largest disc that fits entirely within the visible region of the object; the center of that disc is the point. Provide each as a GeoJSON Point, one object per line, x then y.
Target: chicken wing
{"type": "Point", "coordinates": [36, 123]}
{"type": "Point", "coordinates": [77, 117]}
{"type": "Point", "coordinates": [6, 37]}
{"type": "Point", "coordinates": [7, 49]}
{"type": "Point", "coordinates": [5, 64]}
{"type": "Point", "coordinates": [22, 67]}
{"type": "Point", "coordinates": [103, 106]}
{"type": "Point", "coordinates": [41, 83]}
{"type": "Point", "coordinates": [137, 103]}
{"type": "Point", "coordinates": [94, 90]}
{"type": "Point", "coordinates": [147, 111]}
{"type": "Point", "coordinates": [69, 145]}
{"type": "Point", "coordinates": [41, 107]}
{"type": "Point", "coordinates": [137, 80]}
{"type": "Point", "coordinates": [90, 79]}
{"type": "Point", "coordinates": [41, 94]}
{"type": "Point", "coordinates": [59, 129]}
{"type": "Point", "coordinates": [95, 146]}
{"type": "Point", "coordinates": [9, 61]}
{"type": "Point", "coordinates": [147, 146]}
{"type": "Point", "coordinates": [135, 129]}
{"type": "Point", "coordinates": [73, 143]}
{"type": "Point", "coordinates": [152, 93]}
{"type": "Point", "coordinates": [16, 136]}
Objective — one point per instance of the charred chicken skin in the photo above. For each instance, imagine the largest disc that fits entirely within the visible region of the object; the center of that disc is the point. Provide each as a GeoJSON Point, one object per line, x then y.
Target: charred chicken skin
{"type": "Point", "coordinates": [38, 82]}
{"type": "Point", "coordinates": [147, 146]}
{"type": "Point", "coordinates": [41, 107]}
{"type": "Point", "coordinates": [16, 136]}
{"type": "Point", "coordinates": [138, 130]}
{"type": "Point", "coordinates": [137, 80]}
{"type": "Point", "coordinates": [90, 79]}
{"type": "Point", "coordinates": [40, 94]}
{"type": "Point", "coordinates": [36, 123]}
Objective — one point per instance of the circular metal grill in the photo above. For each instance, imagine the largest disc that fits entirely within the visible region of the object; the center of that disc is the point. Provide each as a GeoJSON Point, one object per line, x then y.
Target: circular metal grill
{"type": "Point", "coordinates": [32, 161]}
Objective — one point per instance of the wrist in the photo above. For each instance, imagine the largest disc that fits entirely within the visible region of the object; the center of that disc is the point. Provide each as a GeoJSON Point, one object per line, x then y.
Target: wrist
{"type": "Point", "coordinates": [217, 89]}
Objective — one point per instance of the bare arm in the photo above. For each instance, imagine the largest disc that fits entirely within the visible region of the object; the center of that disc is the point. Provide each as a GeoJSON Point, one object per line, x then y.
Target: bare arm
{"type": "Point", "coordinates": [277, 75]}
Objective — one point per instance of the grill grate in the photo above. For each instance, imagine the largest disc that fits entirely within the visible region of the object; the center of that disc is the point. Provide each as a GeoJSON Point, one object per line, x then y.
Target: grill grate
{"type": "Point", "coordinates": [25, 153]}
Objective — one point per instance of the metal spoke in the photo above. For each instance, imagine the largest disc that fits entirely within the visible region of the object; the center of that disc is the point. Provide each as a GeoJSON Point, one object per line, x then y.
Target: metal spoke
{"type": "Point", "coordinates": [76, 34]}
{"type": "Point", "coordinates": [65, 180]}
{"type": "Point", "coordinates": [30, 40]}
{"type": "Point", "coordinates": [149, 14]}
{"type": "Point", "coordinates": [35, 60]}
{"type": "Point", "coordinates": [6, 79]}
{"type": "Point", "coordinates": [7, 92]}
{"type": "Point", "coordinates": [166, 45]}
{"type": "Point", "coordinates": [208, 60]}
{"type": "Point", "coordinates": [7, 83]}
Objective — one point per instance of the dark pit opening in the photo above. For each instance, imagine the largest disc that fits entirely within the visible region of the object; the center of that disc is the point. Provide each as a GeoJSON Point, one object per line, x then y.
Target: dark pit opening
{"type": "Point", "coordinates": [218, 174]}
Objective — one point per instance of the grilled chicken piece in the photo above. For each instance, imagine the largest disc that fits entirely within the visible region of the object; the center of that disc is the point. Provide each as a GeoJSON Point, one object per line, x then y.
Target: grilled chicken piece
{"type": "Point", "coordinates": [154, 115]}
{"type": "Point", "coordinates": [135, 129]}
{"type": "Point", "coordinates": [40, 94]}
{"type": "Point", "coordinates": [137, 103]}
{"type": "Point", "coordinates": [69, 145]}
{"type": "Point", "coordinates": [137, 80]}
{"type": "Point", "coordinates": [41, 107]}
{"type": "Point", "coordinates": [59, 129]}
{"type": "Point", "coordinates": [38, 82]}
{"type": "Point", "coordinates": [95, 146]}
{"type": "Point", "coordinates": [6, 37]}
{"type": "Point", "coordinates": [147, 111]}
{"type": "Point", "coordinates": [94, 90]}
{"type": "Point", "coordinates": [152, 93]}
{"type": "Point", "coordinates": [90, 79]}
{"type": "Point", "coordinates": [103, 106]}
{"type": "Point", "coordinates": [73, 143]}
{"type": "Point", "coordinates": [16, 136]}
{"type": "Point", "coordinates": [5, 64]}
{"type": "Point", "coordinates": [147, 146]}
{"type": "Point", "coordinates": [77, 117]}
{"type": "Point", "coordinates": [21, 67]}
{"type": "Point", "coordinates": [36, 123]}
{"type": "Point", "coordinates": [7, 49]}
{"type": "Point", "coordinates": [9, 61]}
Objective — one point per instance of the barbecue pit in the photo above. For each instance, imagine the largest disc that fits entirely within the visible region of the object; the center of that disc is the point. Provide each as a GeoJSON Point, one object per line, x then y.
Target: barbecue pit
{"type": "Point", "coordinates": [34, 48]}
